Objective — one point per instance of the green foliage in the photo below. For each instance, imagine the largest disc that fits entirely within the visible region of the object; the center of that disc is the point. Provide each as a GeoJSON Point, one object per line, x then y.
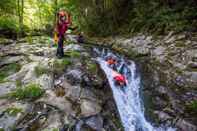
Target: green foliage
{"type": "Point", "coordinates": [7, 6]}
{"type": "Point", "coordinates": [31, 91]}
{"type": "Point", "coordinates": [18, 83]}
{"type": "Point", "coordinates": [55, 129]}
{"type": "Point", "coordinates": [13, 111]}
{"type": "Point", "coordinates": [192, 107]}
{"type": "Point", "coordinates": [60, 65]}
{"type": "Point", "coordinates": [92, 67]}
{"type": "Point", "coordinates": [152, 16]}
{"type": "Point", "coordinates": [29, 39]}
{"type": "Point", "coordinates": [40, 70]}
{"type": "Point", "coordinates": [66, 62]}
{"type": "Point", "coordinates": [73, 54]}
{"type": "Point", "coordinates": [9, 23]}
{"type": "Point", "coordinates": [7, 70]}
{"type": "Point", "coordinates": [112, 17]}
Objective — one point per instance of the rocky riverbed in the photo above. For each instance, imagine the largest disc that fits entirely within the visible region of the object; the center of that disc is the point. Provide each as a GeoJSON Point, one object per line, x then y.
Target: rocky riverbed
{"type": "Point", "coordinates": [42, 93]}
{"type": "Point", "coordinates": [168, 66]}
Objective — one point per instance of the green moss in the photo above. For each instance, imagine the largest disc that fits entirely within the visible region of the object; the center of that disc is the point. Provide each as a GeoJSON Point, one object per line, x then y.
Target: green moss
{"type": "Point", "coordinates": [92, 67]}
{"type": "Point", "coordinates": [1, 129]}
{"type": "Point", "coordinates": [18, 83]}
{"type": "Point", "coordinates": [60, 65]}
{"type": "Point", "coordinates": [73, 54]}
{"type": "Point", "coordinates": [192, 107]}
{"type": "Point", "coordinates": [29, 39]}
{"type": "Point", "coordinates": [180, 44]}
{"type": "Point", "coordinates": [13, 111]}
{"type": "Point", "coordinates": [66, 62]}
{"type": "Point", "coordinates": [7, 70]}
{"type": "Point", "coordinates": [40, 70]}
{"type": "Point", "coordinates": [31, 91]}
{"type": "Point", "coordinates": [55, 129]}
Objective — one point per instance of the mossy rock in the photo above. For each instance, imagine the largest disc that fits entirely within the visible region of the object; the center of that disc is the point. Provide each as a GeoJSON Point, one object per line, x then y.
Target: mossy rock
{"type": "Point", "coordinates": [72, 54]}
{"type": "Point", "coordinates": [31, 91]}
{"type": "Point", "coordinates": [191, 107]}
{"type": "Point", "coordinates": [92, 67]}
{"type": "Point", "coordinates": [180, 44]}
{"type": "Point", "coordinates": [5, 41]}
{"type": "Point", "coordinates": [60, 65]}
{"type": "Point", "coordinates": [7, 70]}
{"type": "Point", "coordinates": [40, 70]}
{"type": "Point", "coordinates": [13, 111]}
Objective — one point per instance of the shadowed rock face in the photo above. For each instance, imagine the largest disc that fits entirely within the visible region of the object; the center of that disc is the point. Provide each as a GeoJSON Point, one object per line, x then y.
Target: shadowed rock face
{"type": "Point", "coordinates": [76, 94]}
{"type": "Point", "coordinates": [167, 66]}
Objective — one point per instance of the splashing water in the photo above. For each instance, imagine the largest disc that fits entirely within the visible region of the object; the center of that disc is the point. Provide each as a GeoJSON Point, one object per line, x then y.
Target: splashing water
{"type": "Point", "coordinates": [128, 100]}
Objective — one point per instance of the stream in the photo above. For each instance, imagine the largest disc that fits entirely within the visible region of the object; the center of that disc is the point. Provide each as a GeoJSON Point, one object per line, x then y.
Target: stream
{"type": "Point", "coordinates": [128, 99]}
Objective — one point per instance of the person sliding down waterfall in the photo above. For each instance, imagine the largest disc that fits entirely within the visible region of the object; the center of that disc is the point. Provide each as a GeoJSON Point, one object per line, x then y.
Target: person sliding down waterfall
{"type": "Point", "coordinates": [118, 77]}
{"type": "Point", "coordinates": [112, 62]}
{"type": "Point", "coordinates": [62, 24]}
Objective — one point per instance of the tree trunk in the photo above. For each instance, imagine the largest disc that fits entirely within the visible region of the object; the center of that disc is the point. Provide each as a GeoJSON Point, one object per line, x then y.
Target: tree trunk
{"type": "Point", "coordinates": [55, 11]}
{"type": "Point", "coordinates": [20, 7]}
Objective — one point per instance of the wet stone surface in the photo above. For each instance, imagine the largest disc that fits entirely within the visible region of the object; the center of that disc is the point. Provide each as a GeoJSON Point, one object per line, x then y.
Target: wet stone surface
{"type": "Point", "coordinates": [73, 93]}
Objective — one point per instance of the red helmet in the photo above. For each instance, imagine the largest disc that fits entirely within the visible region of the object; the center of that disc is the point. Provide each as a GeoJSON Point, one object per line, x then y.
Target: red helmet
{"type": "Point", "coordinates": [62, 13]}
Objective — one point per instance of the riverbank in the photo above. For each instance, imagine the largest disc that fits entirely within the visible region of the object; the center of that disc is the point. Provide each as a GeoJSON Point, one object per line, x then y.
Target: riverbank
{"type": "Point", "coordinates": [40, 92]}
{"type": "Point", "coordinates": [168, 65]}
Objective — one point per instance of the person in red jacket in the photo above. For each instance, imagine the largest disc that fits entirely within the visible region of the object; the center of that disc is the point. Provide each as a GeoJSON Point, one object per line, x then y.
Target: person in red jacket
{"type": "Point", "coordinates": [111, 62]}
{"type": "Point", "coordinates": [119, 78]}
{"type": "Point", "coordinates": [62, 24]}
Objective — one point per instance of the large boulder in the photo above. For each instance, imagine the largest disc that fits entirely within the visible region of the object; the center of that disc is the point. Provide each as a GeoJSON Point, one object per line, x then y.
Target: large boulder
{"type": "Point", "coordinates": [6, 87]}
{"type": "Point", "coordinates": [59, 102]}
{"type": "Point", "coordinates": [11, 59]}
{"type": "Point", "coordinates": [26, 74]}
{"type": "Point", "coordinates": [46, 81]}
{"type": "Point", "coordinates": [71, 92]}
{"type": "Point", "coordinates": [10, 113]}
{"type": "Point", "coordinates": [74, 76]}
{"type": "Point", "coordinates": [53, 122]}
{"type": "Point", "coordinates": [184, 125]}
{"type": "Point", "coordinates": [95, 123]}
{"type": "Point", "coordinates": [89, 108]}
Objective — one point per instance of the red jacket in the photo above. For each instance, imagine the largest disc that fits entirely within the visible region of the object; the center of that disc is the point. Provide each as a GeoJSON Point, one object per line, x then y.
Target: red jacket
{"type": "Point", "coordinates": [120, 78]}
{"type": "Point", "coordinates": [62, 28]}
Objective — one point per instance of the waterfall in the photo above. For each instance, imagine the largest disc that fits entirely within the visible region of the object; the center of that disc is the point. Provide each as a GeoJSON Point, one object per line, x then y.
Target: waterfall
{"type": "Point", "coordinates": [128, 100]}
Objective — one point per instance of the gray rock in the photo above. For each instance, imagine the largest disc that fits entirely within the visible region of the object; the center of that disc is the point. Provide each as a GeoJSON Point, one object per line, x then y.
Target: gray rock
{"type": "Point", "coordinates": [59, 102]}
{"type": "Point", "coordinates": [184, 125]}
{"type": "Point", "coordinates": [72, 92]}
{"type": "Point", "coordinates": [11, 59]}
{"type": "Point", "coordinates": [7, 121]}
{"type": "Point", "coordinates": [95, 123]}
{"type": "Point", "coordinates": [162, 116]}
{"type": "Point", "coordinates": [73, 47]}
{"type": "Point", "coordinates": [46, 81]}
{"type": "Point", "coordinates": [53, 122]}
{"type": "Point", "coordinates": [87, 94]}
{"type": "Point", "coordinates": [5, 41]}
{"type": "Point", "coordinates": [89, 108]}
{"type": "Point", "coordinates": [74, 76]}
{"type": "Point", "coordinates": [26, 74]}
{"type": "Point", "coordinates": [38, 58]}
{"type": "Point", "coordinates": [162, 90]}
{"type": "Point", "coordinates": [5, 88]}
{"type": "Point", "coordinates": [159, 51]}
{"type": "Point", "coordinates": [193, 77]}
{"type": "Point", "coordinates": [192, 65]}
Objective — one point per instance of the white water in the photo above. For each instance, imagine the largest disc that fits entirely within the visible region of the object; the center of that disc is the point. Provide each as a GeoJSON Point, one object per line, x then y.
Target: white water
{"type": "Point", "coordinates": [128, 100]}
